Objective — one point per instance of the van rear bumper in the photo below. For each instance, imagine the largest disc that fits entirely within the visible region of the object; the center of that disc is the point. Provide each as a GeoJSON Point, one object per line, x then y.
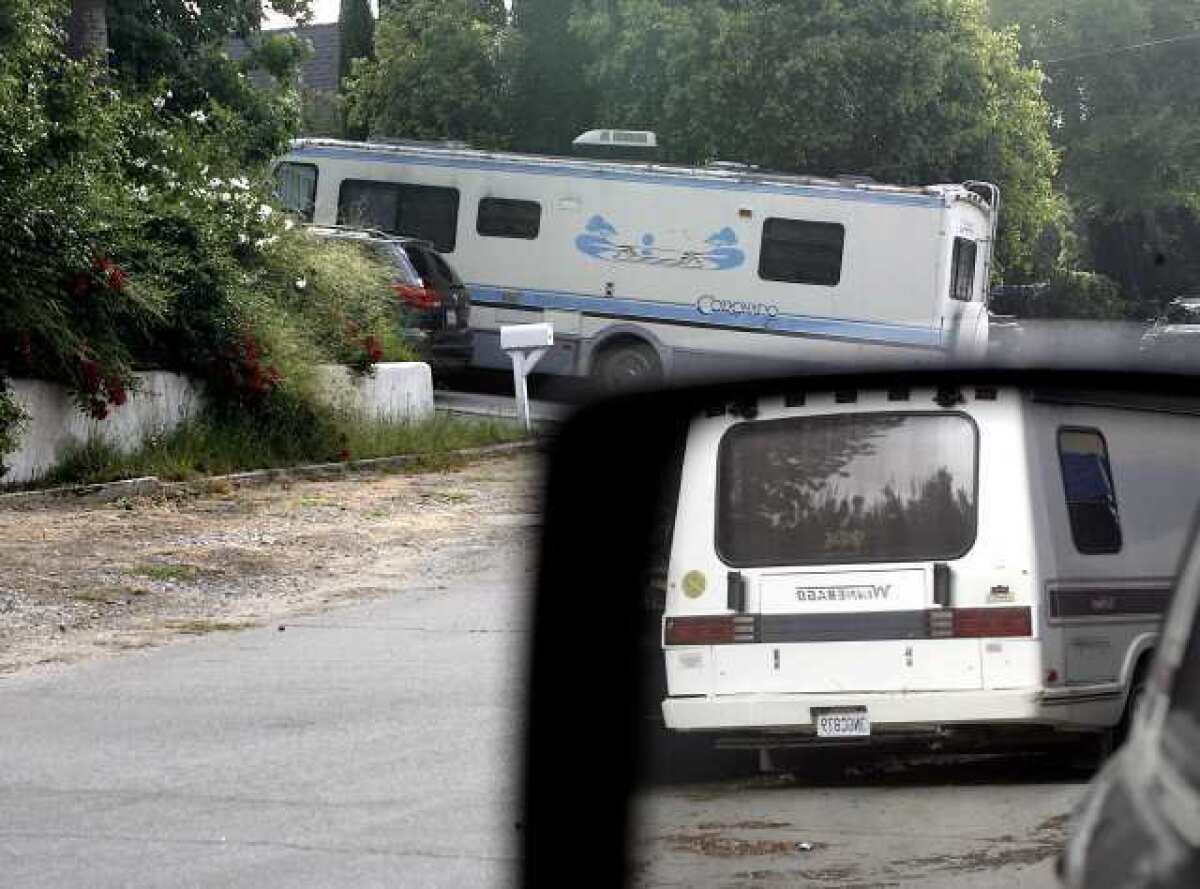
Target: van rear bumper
{"type": "Point", "coordinates": [890, 713]}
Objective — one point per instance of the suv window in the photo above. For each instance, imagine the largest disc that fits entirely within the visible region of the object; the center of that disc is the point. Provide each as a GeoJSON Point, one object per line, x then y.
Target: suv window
{"type": "Point", "coordinates": [429, 212]}
{"type": "Point", "coordinates": [1089, 491]}
{"type": "Point", "coordinates": [962, 271]}
{"type": "Point", "coordinates": [802, 252]}
{"type": "Point", "coordinates": [505, 218]}
{"type": "Point", "coordinates": [296, 188]}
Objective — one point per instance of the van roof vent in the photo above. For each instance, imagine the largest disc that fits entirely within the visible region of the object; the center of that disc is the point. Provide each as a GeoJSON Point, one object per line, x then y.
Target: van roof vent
{"type": "Point", "coordinates": [615, 138]}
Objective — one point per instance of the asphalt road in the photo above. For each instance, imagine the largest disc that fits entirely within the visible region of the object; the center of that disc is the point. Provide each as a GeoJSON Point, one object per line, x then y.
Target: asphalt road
{"type": "Point", "coordinates": [371, 746]}
{"type": "Point", "coordinates": [374, 745]}
{"type": "Point", "coordinates": [979, 822]}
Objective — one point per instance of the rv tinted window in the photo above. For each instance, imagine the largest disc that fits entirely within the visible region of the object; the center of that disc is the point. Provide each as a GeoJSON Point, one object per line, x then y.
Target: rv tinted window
{"type": "Point", "coordinates": [296, 188]}
{"type": "Point", "coordinates": [503, 218]}
{"type": "Point", "coordinates": [962, 272]}
{"type": "Point", "coordinates": [801, 252]}
{"type": "Point", "coordinates": [851, 488]}
{"type": "Point", "coordinates": [419, 211]}
{"type": "Point", "coordinates": [1088, 487]}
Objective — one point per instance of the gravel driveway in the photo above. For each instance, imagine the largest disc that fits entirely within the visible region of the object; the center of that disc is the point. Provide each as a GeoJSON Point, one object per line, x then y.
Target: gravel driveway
{"type": "Point", "coordinates": [84, 581]}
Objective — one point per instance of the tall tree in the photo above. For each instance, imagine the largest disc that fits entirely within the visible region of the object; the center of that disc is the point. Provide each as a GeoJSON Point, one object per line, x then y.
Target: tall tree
{"type": "Point", "coordinates": [1123, 83]}
{"type": "Point", "coordinates": [357, 34]}
{"type": "Point", "coordinates": [909, 91]}
{"type": "Point", "coordinates": [440, 72]}
{"type": "Point", "coordinates": [556, 102]}
{"type": "Point", "coordinates": [87, 29]}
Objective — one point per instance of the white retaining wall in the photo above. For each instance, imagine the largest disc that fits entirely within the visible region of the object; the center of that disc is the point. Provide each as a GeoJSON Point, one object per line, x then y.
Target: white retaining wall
{"type": "Point", "coordinates": [397, 391]}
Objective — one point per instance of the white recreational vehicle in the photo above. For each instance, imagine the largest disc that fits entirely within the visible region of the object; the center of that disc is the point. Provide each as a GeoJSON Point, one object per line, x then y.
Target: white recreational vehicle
{"type": "Point", "coordinates": [869, 564]}
{"type": "Point", "coordinates": [648, 271]}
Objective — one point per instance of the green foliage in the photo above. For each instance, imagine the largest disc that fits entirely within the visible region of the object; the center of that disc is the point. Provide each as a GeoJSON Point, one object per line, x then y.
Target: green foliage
{"type": "Point", "coordinates": [908, 91]}
{"type": "Point", "coordinates": [12, 421]}
{"type": "Point", "coordinates": [1126, 114]}
{"type": "Point", "coordinates": [557, 102]}
{"type": "Point", "coordinates": [441, 71]}
{"type": "Point", "coordinates": [1123, 83]}
{"type": "Point", "coordinates": [139, 222]}
{"type": "Point", "coordinates": [222, 443]}
{"type": "Point", "coordinates": [357, 34]}
{"type": "Point", "coordinates": [1071, 294]}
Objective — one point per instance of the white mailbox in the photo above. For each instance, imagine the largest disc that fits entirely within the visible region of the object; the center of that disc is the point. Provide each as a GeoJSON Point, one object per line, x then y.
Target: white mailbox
{"type": "Point", "coordinates": [526, 336]}
{"type": "Point", "coordinates": [525, 345]}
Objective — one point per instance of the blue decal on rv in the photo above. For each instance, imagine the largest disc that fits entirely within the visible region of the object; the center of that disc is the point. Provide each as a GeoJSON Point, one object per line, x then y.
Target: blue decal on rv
{"type": "Point", "coordinates": [710, 312]}
{"type": "Point", "coordinates": [600, 241]}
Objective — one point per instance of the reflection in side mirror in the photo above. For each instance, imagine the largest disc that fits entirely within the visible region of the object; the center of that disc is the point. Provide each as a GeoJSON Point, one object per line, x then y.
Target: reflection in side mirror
{"type": "Point", "coordinates": [766, 634]}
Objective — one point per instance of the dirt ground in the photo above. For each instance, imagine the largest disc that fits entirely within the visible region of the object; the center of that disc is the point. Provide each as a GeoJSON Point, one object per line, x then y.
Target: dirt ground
{"type": "Point", "coordinates": [79, 581]}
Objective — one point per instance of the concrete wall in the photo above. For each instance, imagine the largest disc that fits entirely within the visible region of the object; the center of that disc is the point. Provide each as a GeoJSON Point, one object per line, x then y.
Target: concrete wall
{"type": "Point", "coordinates": [401, 392]}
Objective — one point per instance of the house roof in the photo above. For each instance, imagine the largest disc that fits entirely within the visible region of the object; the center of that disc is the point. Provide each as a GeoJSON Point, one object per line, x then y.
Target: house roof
{"type": "Point", "coordinates": [319, 72]}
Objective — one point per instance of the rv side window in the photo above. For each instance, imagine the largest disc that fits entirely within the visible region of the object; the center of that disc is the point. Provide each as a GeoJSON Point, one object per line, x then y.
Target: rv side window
{"type": "Point", "coordinates": [504, 218]}
{"type": "Point", "coordinates": [296, 188]}
{"type": "Point", "coordinates": [1088, 486]}
{"type": "Point", "coordinates": [801, 252]}
{"type": "Point", "coordinates": [962, 272]}
{"type": "Point", "coordinates": [420, 211]}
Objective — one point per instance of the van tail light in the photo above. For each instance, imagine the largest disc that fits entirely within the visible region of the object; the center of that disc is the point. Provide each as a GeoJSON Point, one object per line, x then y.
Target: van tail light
{"type": "Point", "coordinates": [418, 297]}
{"type": "Point", "coordinates": [976, 623]}
{"type": "Point", "coordinates": [718, 629]}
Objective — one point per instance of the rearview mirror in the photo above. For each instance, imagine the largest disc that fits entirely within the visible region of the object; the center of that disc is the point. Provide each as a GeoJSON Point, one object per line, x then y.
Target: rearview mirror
{"type": "Point", "coordinates": [878, 561]}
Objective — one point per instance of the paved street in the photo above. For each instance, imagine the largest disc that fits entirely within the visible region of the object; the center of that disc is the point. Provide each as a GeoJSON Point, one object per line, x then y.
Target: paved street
{"type": "Point", "coordinates": [370, 746]}
{"type": "Point", "coordinates": [373, 745]}
{"type": "Point", "coordinates": [944, 824]}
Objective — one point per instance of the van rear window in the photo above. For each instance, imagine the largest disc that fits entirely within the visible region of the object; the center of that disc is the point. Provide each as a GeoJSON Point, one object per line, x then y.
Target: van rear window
{"type": "Point", "coordinates": [848, 488]}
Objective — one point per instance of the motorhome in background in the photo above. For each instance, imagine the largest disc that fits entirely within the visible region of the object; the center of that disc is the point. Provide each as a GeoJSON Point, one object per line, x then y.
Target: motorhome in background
{"type": "Point", "coordinates": [978, 561]}
{"type": "Point", "coordinates": [650, 271]}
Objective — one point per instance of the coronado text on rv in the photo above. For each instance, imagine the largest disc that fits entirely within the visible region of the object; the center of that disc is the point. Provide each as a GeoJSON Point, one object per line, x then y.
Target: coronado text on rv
{"type": "Point", "coordinates": [649, 271]}
{"type": "Point", "coordinates": [870, 564]}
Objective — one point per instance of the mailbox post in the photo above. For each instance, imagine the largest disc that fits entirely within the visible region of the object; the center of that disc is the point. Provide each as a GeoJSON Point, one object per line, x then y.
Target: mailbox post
{"type": "Point", "coordinates": [525, 345]}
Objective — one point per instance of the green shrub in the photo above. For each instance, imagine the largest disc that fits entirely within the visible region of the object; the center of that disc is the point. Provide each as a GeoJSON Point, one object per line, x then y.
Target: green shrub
{"type": "Point", "coordinates": [141, 231]}
{"type": "Point", "coordinates": [220, 443]}
{"type": "Point", "coordinates": [12, 419]}
{"type": "Point", "coordinates": [1071, 294]}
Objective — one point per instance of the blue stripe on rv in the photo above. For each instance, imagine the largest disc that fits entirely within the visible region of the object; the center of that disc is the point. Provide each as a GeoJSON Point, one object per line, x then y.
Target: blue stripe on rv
{"type": "Point", "coordinates": [676, 313]}
{"type": "Point", "coordinates": [616, 174]}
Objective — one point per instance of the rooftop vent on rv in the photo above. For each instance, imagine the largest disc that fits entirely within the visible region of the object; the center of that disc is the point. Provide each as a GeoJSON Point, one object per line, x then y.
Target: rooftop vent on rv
{"type": "Point", "coordinates": [626, 144]}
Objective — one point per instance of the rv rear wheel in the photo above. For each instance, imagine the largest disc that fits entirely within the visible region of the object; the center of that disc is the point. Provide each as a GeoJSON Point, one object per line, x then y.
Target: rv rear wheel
{"type": "Point", "coordinates": [629, 365]}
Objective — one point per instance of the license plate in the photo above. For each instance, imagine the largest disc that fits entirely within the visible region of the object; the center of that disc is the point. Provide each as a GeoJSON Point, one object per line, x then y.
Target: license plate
{"type": "Point", "coordinates": [451, 318]}
{"type": "Point", "coordinates": [850, 722]}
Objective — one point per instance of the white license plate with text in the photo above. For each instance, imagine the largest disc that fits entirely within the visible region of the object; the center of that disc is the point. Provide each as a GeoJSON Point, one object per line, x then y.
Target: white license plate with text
{"type": "Point", "coordinates": [850, 722]}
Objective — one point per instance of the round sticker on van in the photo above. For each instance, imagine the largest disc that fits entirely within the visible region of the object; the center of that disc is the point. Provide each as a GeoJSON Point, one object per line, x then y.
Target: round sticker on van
{"type": "Point", "coordinates": [694, 584]}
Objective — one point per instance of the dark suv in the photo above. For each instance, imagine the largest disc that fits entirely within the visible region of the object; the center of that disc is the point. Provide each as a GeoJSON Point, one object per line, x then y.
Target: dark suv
{"type": "Point", "coordinates": [436, 300]}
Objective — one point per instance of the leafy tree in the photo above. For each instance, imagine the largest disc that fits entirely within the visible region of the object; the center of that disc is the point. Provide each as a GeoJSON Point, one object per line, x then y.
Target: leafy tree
{"type": "Point", "coordinates": [557, 102]}
{"type": "Point", "coordinates": [88, 28]}
{"type": "Point", "coordinates": [357, 34]}
{"type": "Point", "coordinates": [908, 91]}
{"type": "Point", "coordinates": [440, 72]}
{"type": "Point", "coordinates": [1123, 82]}
{"type": "Point", "coordinates": [141, 231]}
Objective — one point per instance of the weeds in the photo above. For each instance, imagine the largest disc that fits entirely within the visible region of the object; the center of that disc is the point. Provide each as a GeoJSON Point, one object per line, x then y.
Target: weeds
{"type": "Point", "coordinates": [164, 572]}
{"type": "Point", "coordinates": [202, 626]}
{"type": "Point", "coordinates": [221, 444]}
